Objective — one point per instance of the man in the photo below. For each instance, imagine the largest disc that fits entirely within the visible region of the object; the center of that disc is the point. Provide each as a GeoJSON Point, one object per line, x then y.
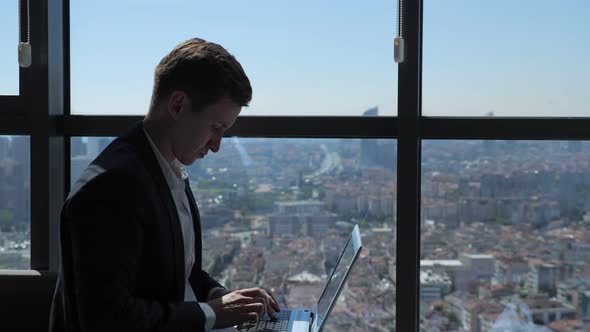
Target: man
{"type": "Point", "coordinates": [130, 230]}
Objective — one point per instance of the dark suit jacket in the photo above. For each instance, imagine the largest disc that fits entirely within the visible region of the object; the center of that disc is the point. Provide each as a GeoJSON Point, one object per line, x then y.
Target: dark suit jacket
{"type": "Point", "coordinates": [122, 250]}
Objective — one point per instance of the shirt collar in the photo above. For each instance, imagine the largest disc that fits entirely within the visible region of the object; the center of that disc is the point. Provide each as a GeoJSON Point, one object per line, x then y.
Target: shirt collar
{"type": "Point", "coordinates": [174, 171]}
{"type": "Point", "coordinates": [179, 169]}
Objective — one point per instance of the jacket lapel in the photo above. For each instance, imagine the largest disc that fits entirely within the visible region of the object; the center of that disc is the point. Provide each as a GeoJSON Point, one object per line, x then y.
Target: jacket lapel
{"type": "Point", "coordinates": [196, 225]}
{"type": "Point", "coordinates": [138, 138]}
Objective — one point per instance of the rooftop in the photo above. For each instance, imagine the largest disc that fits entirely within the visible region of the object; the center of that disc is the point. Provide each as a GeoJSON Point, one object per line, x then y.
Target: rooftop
{"type": "Point", "coordinates": [440, 262]}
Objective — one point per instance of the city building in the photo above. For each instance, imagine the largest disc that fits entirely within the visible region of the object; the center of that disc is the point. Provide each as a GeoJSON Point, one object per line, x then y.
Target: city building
{"type": "Point", "coordinates": [511, 270]}
{"type": "Point", "coordinates": [306, 218]}
{"type": "Point", "coordinates": [576, 292]}
{"type": "Point", "coordinates": [376, 152]}
{"type": "Point", "coordinates": [543, 277]}
{"type": "Point", "coordinates": [544, 310]}
{"type": "Point", "coordinates": [434, 285]}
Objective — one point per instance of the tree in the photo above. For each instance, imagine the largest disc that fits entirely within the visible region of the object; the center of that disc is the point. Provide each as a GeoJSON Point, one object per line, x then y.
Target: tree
{"type": "Point", "coordinates": [503, 220]}
{"type": "Point", "coordinates": [454, 318]}
{"type": "Point", "coordinates": [20, 227]}
{"type": "Point", "coordinates": [574, 214]}
{"type": "Point", "coordinates": [6, 220]}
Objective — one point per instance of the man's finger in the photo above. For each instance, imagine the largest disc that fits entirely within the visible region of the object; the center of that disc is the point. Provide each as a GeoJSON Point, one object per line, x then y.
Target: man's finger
{"type": "Point", "coordinates": [265, 297]}
{"type": "Point", "coordinates": [252, 306]}
{"type": "Point", "coordinates": [268, 303]}
{"type": "Point", "coordinates": [247, 300]}
{"type": "Point", "coordinates": [255, 290]}
{"type": "Point", "coordinates": [264, 303]}
{"type": "Point", "coordinates": [273, 302]}
{"type": "Point", "coordinates": [253, 299]}
{"type": "Point", "coordinates": [268, 308]}
{"type": "Point", "coordinates": [252, 317]}
{"type": "Point", "coordinates": [255, 308]}
{"type": "Point", "coordinates": [257, 293]}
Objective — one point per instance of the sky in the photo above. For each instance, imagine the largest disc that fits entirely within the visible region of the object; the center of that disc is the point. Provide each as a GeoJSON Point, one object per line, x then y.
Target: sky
{"type": "Point", "coordinates": [512, 58]}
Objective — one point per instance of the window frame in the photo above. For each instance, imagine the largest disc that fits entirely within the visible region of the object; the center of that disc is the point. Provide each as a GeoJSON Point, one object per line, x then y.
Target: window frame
{"type": "Point", "coordinates": [15, 110]}
{"type": "Point", "coordinates": [32, 113]}
{"type": "Point", "coordinates": [15, 106]}
{"type": "Point", "coordinates": [42, 111]}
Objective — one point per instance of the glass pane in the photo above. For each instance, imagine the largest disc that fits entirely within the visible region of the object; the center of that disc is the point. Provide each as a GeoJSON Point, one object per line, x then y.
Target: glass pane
{"type": "Point", "coordinates": [265, 201]}
{"type": "Point", "coordinates": [83, 150]}
{"type": "Point", "coordinates": [505, 240]}
{"type": "Point", "coordinates": [15, 208]}
{"type": "Point", "coordinates": [303, 57]}
{"type": "Point", "coordinates": [9, 79]}
{"type": "Point", "coordinates": [506, 58]}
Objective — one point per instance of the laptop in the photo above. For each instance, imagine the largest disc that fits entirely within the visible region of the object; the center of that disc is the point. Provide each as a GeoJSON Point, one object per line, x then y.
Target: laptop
{"type": "Point", "coordinates": [306, 320]}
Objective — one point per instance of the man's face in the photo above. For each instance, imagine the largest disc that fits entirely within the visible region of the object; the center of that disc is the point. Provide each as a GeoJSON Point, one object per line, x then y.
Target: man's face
{"type": "Point", "coordinates": [197, 133]}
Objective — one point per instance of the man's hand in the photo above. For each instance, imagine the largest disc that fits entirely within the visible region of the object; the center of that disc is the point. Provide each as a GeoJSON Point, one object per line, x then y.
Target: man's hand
{"type": "Point", "coordinates": [243, 305]}
{"type": "Point", "coordinates": [219, 293]}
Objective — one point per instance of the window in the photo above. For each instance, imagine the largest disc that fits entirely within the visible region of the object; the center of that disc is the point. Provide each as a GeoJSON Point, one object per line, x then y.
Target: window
{"type": "Point", "coordinates": [268, 200]}
{"type": "Point", "coordinates": [264, 201]}
{"type": "Point", "coordinates": [503, 222]}
{"type": "Point", "coordinates": [486, 60]}
{"type": "Point", "coordinates": [501, 58]}
{"type": "Point", "coordinates": [83, 150]}
{"type": "Point", "coordinates": [9, 76]}
{"type": "Point", "coordinates": [303, 57]}
{"type": "Point", "coordinates": [15, 213]}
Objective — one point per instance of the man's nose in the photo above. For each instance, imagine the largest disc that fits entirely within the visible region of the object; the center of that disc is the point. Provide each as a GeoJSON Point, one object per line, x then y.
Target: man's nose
{"type": "Point", "coordinates": [214, 144]}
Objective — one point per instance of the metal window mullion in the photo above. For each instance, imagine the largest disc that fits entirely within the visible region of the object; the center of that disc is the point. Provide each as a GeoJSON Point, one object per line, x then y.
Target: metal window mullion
{"type": "Point", "coordinates": [58, 145]}
{"type": "Point", "coordinates": [253, 126]}
{"type": "Point", "coordinates": [66, 95]}
{"type": "Point", "coordinates": [13, 122]}
{"type": "Point", "coordinates": [26, 75]}
{"type": "Point", "coordinates": [409, 172]}
{"type": "Point", "coordinates": [39, 116]}
{"type": "Point", "coordinates": [47, 148]}
{"type": "Point", "coordinates": [508, 128]}
{"type": "Point", "coordinates": [361, 127]}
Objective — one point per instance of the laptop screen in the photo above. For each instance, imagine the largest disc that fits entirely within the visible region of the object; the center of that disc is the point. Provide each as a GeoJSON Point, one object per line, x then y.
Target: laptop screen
{"type": "Point", "coordinates": [339, 273]}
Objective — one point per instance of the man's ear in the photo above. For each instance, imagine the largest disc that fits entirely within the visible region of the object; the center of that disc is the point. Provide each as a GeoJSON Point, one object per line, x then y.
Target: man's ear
{"type": "Point", "coordinates": [177, 103]}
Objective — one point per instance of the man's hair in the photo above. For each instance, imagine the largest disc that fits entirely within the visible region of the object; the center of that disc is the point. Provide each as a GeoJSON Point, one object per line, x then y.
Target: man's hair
{"type": "Point", "coordinates": [205, 71]}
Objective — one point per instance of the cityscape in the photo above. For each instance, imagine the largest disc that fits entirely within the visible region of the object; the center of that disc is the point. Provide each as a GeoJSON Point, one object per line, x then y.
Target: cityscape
{"type": "Point", "coordinates": [504, 226]}
{"type": "Point", "coordinates": [504, 239]}
{"type": "Point", "coordinates": [15, 208]}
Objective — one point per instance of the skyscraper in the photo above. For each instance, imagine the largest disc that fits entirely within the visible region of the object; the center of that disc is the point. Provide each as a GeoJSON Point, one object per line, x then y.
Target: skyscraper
{"type": "Point", "coordinates": [4, 147]}
{"type": "Point", "coordinates": [77, 147]}
{"type": "Point", "coordinates": [20, 152]}
{"type": "Point", "coordinates": [381, 153]}
{"type": "Point", "coordinates": [369, 150]}
{"type": "Point", "coordinates": [574, 146]}
{"type": "Point", "coordinates": [92, 148]}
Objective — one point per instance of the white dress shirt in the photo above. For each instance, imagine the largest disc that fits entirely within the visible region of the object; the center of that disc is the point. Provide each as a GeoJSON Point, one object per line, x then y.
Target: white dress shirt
{"type": "Point", "coordinates": [175, 175]}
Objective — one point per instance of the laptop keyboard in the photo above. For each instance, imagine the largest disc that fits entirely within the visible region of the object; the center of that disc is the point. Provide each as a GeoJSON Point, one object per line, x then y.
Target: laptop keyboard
{"type": "Point", "coordinates": [266, 324]}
